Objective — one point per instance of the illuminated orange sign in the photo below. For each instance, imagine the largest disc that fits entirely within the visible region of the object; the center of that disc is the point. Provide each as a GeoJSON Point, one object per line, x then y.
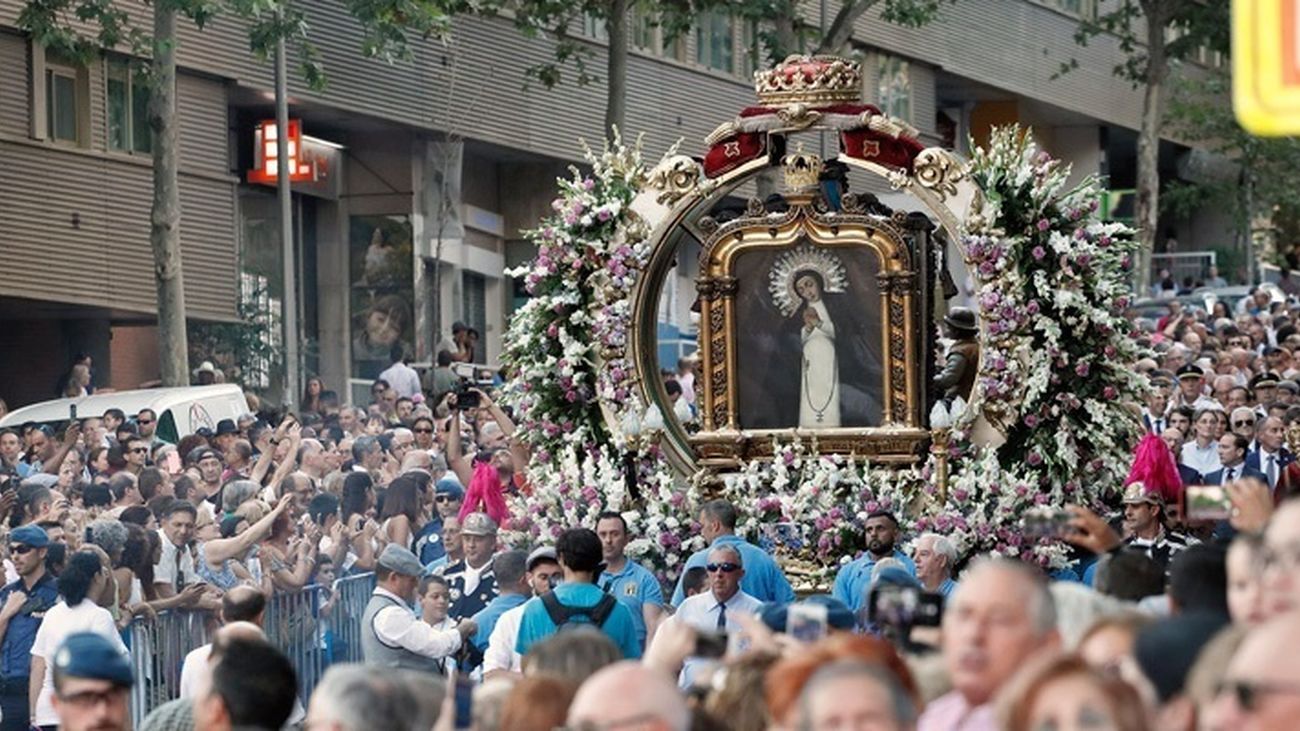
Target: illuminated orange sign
{"type": "Point", "coordinates": [266, 167]}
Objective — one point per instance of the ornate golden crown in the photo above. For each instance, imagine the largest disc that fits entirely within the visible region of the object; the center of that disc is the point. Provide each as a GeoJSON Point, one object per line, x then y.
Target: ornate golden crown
{"type": "Point", "coordinates": [811, 80]}
{"type": "Point", "coordinates": [802, 170]}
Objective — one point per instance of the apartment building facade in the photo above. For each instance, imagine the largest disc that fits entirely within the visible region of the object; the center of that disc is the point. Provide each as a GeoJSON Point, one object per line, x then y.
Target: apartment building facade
{"type": "Point", "coordinates": [430, 170]}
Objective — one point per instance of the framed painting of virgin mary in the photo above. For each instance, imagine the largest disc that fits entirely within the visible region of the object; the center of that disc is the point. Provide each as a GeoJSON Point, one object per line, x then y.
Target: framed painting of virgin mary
{"type": "Point", "coordinates": [809, 343]}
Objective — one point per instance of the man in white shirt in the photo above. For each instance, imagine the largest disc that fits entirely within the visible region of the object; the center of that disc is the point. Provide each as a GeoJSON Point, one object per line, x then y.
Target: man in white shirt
{"type": "Point", "coordinates": [242, 611]}
{"type": "Point", "coordinates": [715, 611]}
{"type": "Point", "coordinates": [401, 377]}
{"type": "Point", "coordinates": [175, 569]}
{"type": "Point", "coordinates": [500, 658]}
{"type": "Point", "coordinates": [391, 635]}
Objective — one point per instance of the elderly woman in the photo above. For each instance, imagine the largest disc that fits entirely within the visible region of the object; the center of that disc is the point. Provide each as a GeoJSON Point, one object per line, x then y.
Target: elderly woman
{"type": "Point", "coordinates": [1065, 692]}
{"type": "Point", "coordinates": [221, 561]}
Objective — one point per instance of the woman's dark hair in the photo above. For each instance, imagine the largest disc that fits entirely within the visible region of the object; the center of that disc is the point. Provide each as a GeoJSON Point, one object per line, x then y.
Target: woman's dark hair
{"type": "Point", "coordinates": [78, 575]}
{"type": "Point", "coordinates": [189, 443]}
{"type": "Point", "coordinates": [816, 275]}
{"type": "Point", "coordinates": [94, 455]}
{"type": "Point", "coordinates": [310, 402]}
{"type": "Point", "coordinates": [137, 515]}
{"type": "Point", "coordinates": [354, 501]}
{"type": "Point", "coordinates": [403, 498]}
{"type": "Point", "coordinates": [138, 553]}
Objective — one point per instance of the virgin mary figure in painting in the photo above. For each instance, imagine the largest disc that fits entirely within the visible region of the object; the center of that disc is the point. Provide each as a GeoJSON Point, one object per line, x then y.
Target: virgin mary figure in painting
{"type": "Point", "coordinates": [823, 344]}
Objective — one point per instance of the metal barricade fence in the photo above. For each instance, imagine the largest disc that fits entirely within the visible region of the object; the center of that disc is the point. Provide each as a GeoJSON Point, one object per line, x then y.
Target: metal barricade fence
{"type": "Point", "coordinates": [313, 627]}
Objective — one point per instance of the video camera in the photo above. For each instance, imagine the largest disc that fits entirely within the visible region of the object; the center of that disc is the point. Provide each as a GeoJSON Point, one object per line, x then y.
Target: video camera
{"type": "Point", "coordinates": [895, 610]}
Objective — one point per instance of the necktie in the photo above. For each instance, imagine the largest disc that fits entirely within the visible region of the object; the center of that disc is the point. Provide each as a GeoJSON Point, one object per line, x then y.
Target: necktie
{"type": "Point", "coordinates": [1227, 475]}
{"type": "Point", "coordinates": [1159, 425]}
{"type": "Point", "coordinates": [722, 618]}
{"type": "Point", "coordinates": [1272, 471]}
{"type": "Point", "coordinates": [180, 580]}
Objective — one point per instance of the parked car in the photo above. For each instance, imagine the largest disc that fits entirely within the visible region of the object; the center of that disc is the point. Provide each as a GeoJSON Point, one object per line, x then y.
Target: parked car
{"type": "Point", "coordinates": [181, 411]}
{"type": "Point", "coordinates": [1154, 309]}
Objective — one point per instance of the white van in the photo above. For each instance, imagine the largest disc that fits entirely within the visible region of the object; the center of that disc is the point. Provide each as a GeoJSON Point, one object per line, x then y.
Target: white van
{"type": "Point", "coordinates": [181, 411]}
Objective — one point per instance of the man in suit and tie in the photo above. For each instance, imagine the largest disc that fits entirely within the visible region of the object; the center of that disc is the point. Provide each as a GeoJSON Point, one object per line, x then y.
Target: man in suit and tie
{"type": "Point", "coordinates": [1232, 453]}
{"type": "Point", "coordinates": [1153, 415]}
{"type": "Point", "coordinates": [1271, 457]}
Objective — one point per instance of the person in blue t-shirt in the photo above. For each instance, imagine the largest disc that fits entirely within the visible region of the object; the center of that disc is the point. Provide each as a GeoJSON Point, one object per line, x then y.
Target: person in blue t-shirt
{"type": "Point", "coordinates": [763, 578]}
{"type": "Point", "coordinates": [854, 578]}
{"type": "Point", "coordinates": [626, 580]}
{"type": "Point", "coordinates": [577, 601]}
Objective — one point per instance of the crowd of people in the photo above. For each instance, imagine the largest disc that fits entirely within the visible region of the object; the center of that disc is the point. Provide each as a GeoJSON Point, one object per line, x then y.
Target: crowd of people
{"type": "Point", "coordinates": [1164, 618]}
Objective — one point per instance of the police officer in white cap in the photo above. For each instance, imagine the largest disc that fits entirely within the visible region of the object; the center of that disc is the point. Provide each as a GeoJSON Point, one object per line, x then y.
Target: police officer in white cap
{"type": "Point", "coordinates": [391, 634]}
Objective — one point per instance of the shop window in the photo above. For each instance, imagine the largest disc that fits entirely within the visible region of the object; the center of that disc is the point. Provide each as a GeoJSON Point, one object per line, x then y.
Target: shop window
{"type": "Point", "coordinates": [715, 42]}
{"type": "Point", "coordinates": [894, 87]}
{"type": "Point", "coordinates": [474, 307]}
{"type": "Point", "coordinates": [381, 255]}
{"type": "Point", "coordinates": [128, 108]}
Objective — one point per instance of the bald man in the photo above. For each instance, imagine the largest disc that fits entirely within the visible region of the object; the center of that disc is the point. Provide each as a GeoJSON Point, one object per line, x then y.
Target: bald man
{"type": "Point", "coordinates": [629, 693]}
{"type": "Point", "coordinates": [1261, 689]}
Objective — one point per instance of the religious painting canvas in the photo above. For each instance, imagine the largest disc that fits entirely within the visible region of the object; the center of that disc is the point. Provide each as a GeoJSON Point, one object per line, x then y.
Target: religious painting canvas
{"type": "Point", "coordinates": [808, 338]}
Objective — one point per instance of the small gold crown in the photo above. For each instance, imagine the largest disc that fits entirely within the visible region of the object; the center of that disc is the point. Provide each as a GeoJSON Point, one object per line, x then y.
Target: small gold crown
{"type": "Point", "coordinates": [810, 80]}
{"type": "Point", "coordinates": [802, 170]}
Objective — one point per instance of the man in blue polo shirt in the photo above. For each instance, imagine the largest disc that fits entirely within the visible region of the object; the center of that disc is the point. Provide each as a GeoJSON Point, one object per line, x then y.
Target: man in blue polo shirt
{"type": "Point", "coordinates": [763, 579]}
{"type": "Point", "coordinates": [854, 578]}
{"type": "Point", "coordinates": [22, 608]}
{"type": "Point", "coordinates": [628, 581]}
{"type": "Point", "coordinates": [510, 570]}
{"type": "Point", "coordinates": [577, 601]}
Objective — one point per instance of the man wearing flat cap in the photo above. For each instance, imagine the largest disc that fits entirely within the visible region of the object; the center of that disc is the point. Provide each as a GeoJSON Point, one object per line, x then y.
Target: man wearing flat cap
{"type": "Point", "coordinates": [391, 635]}
{"type": "Point", "coordinates": [471, 581]}
{"type": "Point", "coordinates": [22, 607]}
{"type": "Point", "coordinates": [92, 681]}
{"type": "Point", "coordinates": [958, 375]}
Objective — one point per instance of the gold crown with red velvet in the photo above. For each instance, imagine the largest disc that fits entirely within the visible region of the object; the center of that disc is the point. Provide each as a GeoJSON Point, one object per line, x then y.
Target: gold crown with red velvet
{"type": "Point", "coordinates": [810, 80]}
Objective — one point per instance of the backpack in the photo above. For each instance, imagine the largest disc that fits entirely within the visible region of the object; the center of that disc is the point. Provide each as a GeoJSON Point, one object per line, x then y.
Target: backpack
{"type": "Point", "coordinates": [562, 614]}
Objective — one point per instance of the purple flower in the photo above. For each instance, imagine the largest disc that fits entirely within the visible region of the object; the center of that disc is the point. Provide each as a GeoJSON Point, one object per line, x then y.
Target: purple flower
{"type": "Point", "coordinates": [1031, 420]}
{"type": "Point", "coordinates": [604, 214]}
{"type": "Point", "coordinates": [1044, 224]}
{"type": "Point", "coordinates": [1032, 307]}
{"type": "Point", "coordinates": [1039, 252]}
{"type": "Point", "coordinates": [1081, 370]}
{"type": "Point", "coordinates": [1034, 459]}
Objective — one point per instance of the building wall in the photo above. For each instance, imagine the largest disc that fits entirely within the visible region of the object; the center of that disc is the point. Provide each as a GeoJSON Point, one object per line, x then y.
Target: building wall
{"type": "Point", "coordinates": [74, 221]}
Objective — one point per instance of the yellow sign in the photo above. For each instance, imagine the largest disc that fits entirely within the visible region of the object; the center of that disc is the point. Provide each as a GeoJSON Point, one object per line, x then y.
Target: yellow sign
{"type": "Point", "coordinates": [1266, 66]}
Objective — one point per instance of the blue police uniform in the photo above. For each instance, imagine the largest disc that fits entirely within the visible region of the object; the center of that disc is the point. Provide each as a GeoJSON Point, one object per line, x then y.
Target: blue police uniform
{"type": "Point", "coordinates": [854, 578]}
{"type": "Point", "coordinates": [536, 624]}
{"type": "Point", "coordinates": [763, 579]}
{"type": "Point", "coordinates": [635, 587]}
{"type": "Point", "coordinates": [16, 649]}
{"type": "Point", "coordinates": [428, 542]}
{"type": "Point", "coordinates": [468, 604]}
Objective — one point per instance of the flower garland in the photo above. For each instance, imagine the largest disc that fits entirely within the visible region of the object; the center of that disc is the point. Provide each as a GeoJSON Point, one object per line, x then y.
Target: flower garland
{"type": "Point", "coordinates": [1054, 374]}
{"type": "Point", "coordinates": [1057, 353]}
{"type": "Point", "coordinates": [566, 348]}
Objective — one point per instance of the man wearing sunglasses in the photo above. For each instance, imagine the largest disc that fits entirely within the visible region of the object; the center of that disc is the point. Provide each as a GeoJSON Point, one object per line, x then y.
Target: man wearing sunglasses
{"type": "Point", "coordinates": [715, 611]}
{"type": "Point", "coordinates": [22, 608]}
{"type": "Point", "coordinates": [136, 454]}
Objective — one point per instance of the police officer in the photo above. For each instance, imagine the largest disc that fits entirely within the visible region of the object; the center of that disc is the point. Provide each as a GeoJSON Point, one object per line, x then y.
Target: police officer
{"type": "Point", "coordinates": [471, 581]}
{"type": "Point", "coordinates": [22, 607]}
{"type": "Point", "coordinates": [92, 681]}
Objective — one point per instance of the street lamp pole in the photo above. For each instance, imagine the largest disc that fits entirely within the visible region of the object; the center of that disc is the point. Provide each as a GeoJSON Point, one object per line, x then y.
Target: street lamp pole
{"type": "Point", "coordinates": [289, 303]}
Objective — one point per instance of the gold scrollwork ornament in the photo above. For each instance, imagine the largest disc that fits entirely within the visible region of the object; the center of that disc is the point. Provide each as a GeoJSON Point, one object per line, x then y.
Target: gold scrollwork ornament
{"type": "Point", "coordinates": [938, 170]}
{"type": "Point", "coordinates": [676, 177]}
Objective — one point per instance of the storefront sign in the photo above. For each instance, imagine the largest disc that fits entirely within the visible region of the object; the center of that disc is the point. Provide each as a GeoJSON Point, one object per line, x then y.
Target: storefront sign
{"type": "Point", "coordinates": [313, 163]}
{"type": "Point", "coordinates": [1266, 65]}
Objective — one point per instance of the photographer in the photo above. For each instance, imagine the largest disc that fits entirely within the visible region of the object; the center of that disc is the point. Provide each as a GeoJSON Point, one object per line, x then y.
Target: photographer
{"type": "Point", "coordinates": [509, 463]}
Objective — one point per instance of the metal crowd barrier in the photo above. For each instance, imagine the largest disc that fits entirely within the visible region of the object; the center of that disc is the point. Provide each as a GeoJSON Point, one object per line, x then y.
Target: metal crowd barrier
{"type": "Point", "coordinates": [312, 628]}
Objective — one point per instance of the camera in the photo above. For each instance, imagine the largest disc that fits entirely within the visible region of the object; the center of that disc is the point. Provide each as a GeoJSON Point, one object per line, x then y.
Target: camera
{"type": "Point", "coordinates": [1045, 522]}
{"type": "Point", "coordinates": [900, 608]}
{"type": "Point", "coordinates": [466, 398]}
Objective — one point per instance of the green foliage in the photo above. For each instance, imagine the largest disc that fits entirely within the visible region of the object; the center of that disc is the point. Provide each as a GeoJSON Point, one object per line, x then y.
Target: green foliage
{"type": "Point", "coordinates": [390, 26]}
{"type": "Point", "coordinates": [241, 349]}
{"type": "Point", "coordinates": [1196, 25]}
